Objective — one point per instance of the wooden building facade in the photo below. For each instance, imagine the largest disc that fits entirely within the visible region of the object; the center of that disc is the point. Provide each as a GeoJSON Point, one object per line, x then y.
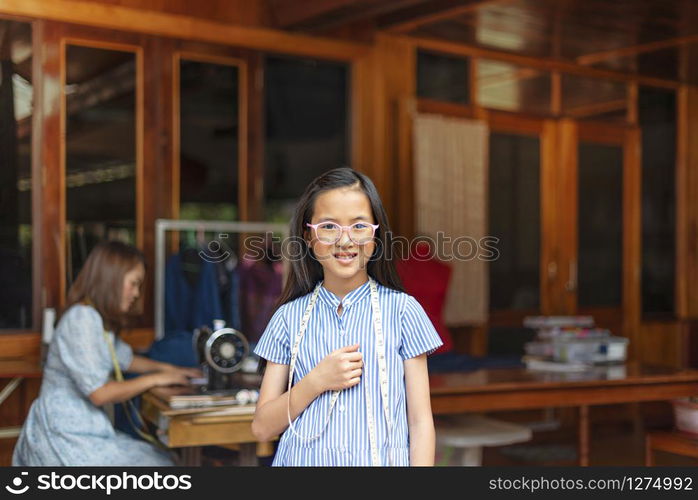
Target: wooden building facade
{"type": "Point", "coordinates": [572, 80]}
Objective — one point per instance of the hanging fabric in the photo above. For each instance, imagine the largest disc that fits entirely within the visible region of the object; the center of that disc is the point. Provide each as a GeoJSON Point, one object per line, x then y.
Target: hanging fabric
{"type": "Point", "coordinates": [450, 164]}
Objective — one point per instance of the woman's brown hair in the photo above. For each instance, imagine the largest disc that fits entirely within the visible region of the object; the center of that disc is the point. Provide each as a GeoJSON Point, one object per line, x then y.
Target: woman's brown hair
{"type": "Point", "coordinates": [100, 282]}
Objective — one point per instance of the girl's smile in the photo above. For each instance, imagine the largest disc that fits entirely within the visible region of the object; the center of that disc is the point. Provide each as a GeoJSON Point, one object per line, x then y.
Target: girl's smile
{"type": "Point", "coordinates": [345, 258]}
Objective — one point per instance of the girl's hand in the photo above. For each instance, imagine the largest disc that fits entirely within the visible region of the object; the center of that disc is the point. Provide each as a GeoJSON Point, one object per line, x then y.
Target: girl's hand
{"type": "Point", "coordinates": [341, 369]}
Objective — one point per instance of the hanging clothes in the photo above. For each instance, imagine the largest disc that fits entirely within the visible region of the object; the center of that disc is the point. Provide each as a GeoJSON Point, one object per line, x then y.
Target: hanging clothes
{"type": "Point", "coordinates": [234, 318]}
{"type": "Point", "coordinates": [192, 300]}
{"type": "Point", "coordinates": [260, 288]}
{"type": "Point", "coordinates": [229, 288]}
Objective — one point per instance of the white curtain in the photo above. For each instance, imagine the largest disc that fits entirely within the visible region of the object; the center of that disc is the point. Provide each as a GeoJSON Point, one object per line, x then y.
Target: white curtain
{"type": "Point", "coordinates": [450, 162]}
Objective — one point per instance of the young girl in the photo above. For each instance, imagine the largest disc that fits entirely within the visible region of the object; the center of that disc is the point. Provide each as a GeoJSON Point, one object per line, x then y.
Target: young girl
{"type": "Point", "coordinates": [67, 424]}
{"type": "Point", "coordinates": [346, 377]}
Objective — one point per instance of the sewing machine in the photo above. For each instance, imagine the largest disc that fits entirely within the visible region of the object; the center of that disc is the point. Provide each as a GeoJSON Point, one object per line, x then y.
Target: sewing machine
{"type": "Point", "coordinates": [221, 353]}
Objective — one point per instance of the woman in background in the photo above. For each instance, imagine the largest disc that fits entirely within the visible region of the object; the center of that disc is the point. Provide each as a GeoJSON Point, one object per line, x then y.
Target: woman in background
{"type": "Point", "coordinates": [68, 424]}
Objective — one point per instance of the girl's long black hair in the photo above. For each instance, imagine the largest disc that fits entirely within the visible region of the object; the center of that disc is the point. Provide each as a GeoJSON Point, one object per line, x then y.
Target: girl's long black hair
{"type": "Point", "coordinates": [306, 271]}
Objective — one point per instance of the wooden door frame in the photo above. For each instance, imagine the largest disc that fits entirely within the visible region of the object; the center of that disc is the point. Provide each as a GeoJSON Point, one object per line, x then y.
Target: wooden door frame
{"type": "Point", "coordinates": [219, 56]}
{"type": "Point", "coordinates": [537, 127]}
{"type": "Point", "coordinates": [125, 42]}
{"type": "Point", "coordinates": [628, 138]}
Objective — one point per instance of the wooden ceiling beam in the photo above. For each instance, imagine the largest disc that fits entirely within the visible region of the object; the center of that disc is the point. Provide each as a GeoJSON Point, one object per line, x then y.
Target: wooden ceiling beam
{"type": "Point", "coordinates": [408, 19]}
{"type": "Point", "coordinates": [634, 50]}
{"type": "Point", "coordinates": [289, 13]}
{"type": "Point", "coordinates": [337, 20]}
{"type": "Point", "coordinates": [183, 27]}
{"type": "Point", "coordinates": [545, 64]}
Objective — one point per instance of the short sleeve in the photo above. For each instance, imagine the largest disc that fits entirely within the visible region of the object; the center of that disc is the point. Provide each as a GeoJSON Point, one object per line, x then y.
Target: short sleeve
{"type": "Point", "coordinates": [275, 344]}
{"type": "Point", "coordinates": [124, 353]}
{"type": "Point", "coordinates": [80, 345]}
{"type": "Point", "coordinates": [418, 335]}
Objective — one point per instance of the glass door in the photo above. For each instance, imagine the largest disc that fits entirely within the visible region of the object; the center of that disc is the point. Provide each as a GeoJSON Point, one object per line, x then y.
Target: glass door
{"type": "Point", "coordinates": [517, 203]}
{"type": "Point", "coordinates": [600, 277]}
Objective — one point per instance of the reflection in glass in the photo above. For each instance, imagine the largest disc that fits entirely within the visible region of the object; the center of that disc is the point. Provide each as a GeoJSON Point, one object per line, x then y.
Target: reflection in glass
{"type": "Point", "coordinates": [100, 141]}
{"type": "Point", "coordinates": [507, 87]}
{"type": "Point", "coordinates": [209, 136]}
{"type": "Point", "coordinates": [658, 123]}
{"type": "Point", "coordinates": [514, 218]}
{"type": "Point", "coordinates": [600, 171]}
{"type": "Point", "coordinates": [663, 63]}
{"type": "Point", "coordinates": [594, 99]}
{"type": "Point", "coordinates": [224, 275]}
{"type": "Point", "coordinates": [306, 128]}
{"type": "Point", "coordinates": [16, 97]}
{"type": "Point", "coordinates": [443, 77]}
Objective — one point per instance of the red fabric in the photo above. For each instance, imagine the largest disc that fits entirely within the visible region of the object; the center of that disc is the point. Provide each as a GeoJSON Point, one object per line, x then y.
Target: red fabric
{"type": "Point", "coordinates": [427, 281]}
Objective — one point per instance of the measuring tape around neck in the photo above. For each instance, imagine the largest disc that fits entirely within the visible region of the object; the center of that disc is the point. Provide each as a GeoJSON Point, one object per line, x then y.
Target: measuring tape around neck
{"type": "Point", "coordinates": [382, 374]}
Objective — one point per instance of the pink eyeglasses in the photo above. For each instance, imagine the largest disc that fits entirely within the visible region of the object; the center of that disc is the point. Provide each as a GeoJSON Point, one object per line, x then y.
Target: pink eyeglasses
{"type": "Point", "coordinates": [329, 233]}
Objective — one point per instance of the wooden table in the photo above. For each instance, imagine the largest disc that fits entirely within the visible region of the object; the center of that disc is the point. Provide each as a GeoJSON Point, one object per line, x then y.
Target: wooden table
{"type": "Point", "coordinates": [16, 370]}
{"type": "Point", "coordinates": [191, 429]}
{"type": "Point", "coordinates": [477, 391]}
{"type": "Point", "coordinates": [519, 389]}
{"type": "Point", "coordinates": [675, 442]}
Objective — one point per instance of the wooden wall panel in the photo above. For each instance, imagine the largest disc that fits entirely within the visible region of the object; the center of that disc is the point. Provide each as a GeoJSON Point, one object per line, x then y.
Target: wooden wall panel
{"type": "Point", "coordinates": [566, 219]}
{"type": "Point", "coordinates": [395, 71]}
{"type": "Point", "coordinates": [255, 136]}
{"type": "Point", "coordinates": [550, 260]}
{"type": "Point", "coordinates": [373, 104]}
{"type": "Point", "coordinates": [687, 204]}
{"type": "Point", "coordinates": [632, 239]}
{"type": "Point", "coordinates": [365, 118]}
{"type": "Point", "coordinates": [662, 344]}
{"type": "Point", "coordinates": [20, 345]}
{"type": "Point", "coordinates": [138, 338]}
{"type": "Point", "coordinates": [157, 155]}
{"type": "Point", "coordinates": [47, 158]}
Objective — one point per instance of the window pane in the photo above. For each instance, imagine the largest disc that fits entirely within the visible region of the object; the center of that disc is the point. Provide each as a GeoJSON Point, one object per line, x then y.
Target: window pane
{"type": "Point", "coordinates": [599, 273]}
{"type": "Point", "coordinates": [593, 99]}
{"type": "Point", "coordinates": [100, 150]}
{"type": "Point", "coordinates": [443, 77]}
{"type": "Point", "coordinates": [306, 127]}
{"type": "Point", "coordinates": [16, 94]}
{"type": "Point", "coordinates": [508, 87]}
{"type": "Point", "coordinates": [209, 136]}
{"type": "Point", "coordinates": [514, 218]}
{"type": "Point", "coordinates": [658, 124]}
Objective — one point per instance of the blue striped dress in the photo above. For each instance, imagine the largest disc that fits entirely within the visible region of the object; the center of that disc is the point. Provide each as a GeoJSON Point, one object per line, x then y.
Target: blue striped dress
{"type": "Point", "coordinates": [408, 333]}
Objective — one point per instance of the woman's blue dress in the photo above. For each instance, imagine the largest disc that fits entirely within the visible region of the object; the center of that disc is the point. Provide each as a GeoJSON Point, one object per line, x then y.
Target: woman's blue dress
{"type": "Point", "coordinates": [64, 428]}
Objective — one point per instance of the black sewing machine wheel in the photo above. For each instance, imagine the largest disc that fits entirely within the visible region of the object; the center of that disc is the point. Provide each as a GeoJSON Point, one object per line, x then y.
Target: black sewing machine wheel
{"type": "Point", "coordinates": [226, 349]}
